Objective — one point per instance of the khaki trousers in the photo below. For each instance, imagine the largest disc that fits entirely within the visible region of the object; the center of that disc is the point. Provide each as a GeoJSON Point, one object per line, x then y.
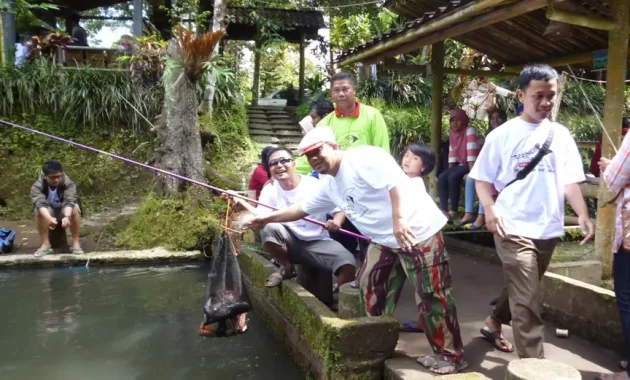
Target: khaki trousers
{"type": "Point", "coordinates": [524, 264]}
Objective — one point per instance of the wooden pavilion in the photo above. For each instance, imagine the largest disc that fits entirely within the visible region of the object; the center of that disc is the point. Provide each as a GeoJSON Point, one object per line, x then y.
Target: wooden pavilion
{"type": "Point", "coordinates": [587, 34]}
{"type": "Point", "coordinates": [296, 26]}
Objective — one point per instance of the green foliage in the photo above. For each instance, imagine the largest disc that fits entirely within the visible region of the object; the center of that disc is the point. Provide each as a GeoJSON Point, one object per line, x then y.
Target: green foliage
{"type": "Point", "coordinates": [176, 224]}
{"type": "Point", "coordinates": [349, 31]}
{"type": "Point", "coordinates": [227, 89]}
{"type": "Point", "coordinates": [232, 152]}
{"type": "Point", "coordinates": [102, 182]}
{"type": "Point", "coordinates": [79, 97]}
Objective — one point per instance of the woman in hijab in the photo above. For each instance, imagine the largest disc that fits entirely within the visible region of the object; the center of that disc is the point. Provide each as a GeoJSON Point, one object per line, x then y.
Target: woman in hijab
{"type": "Point", "coordinates": [462, 153]}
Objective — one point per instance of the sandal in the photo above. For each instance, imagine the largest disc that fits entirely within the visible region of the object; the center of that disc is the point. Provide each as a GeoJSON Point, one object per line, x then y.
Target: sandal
{"type": "Point", "coordinates": [497, 339]}
{"type": "Point", "coordinates": [76, 251]}
{"type": "Point", "coordinates": [43, 252]}
{"type": "Point", "coordinates": [462, 223]}
{"type": "Point", "coordinates": [410, 327]}
{"type": "Point", "coordinates": [432, 363]}
{"type": "Point", "coordinates": [442, 364]}
{"type": "Point", "coordinates": [276, 278]}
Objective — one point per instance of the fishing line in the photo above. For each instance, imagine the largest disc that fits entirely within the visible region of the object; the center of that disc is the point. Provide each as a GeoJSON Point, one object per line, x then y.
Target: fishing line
{"type": "Point", "coordinates": [174, 175]}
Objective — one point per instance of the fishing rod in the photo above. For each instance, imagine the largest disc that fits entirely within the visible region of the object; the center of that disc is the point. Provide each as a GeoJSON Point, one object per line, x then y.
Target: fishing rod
{"type": "Point", "coordinates": [180, 177]}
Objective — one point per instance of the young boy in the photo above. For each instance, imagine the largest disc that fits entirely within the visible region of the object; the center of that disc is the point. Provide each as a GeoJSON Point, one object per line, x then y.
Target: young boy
{"type": "Point", "coordinates": [528, 216]}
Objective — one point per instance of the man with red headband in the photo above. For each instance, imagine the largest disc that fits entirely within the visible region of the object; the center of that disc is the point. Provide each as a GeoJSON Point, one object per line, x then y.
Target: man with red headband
{"type": "Point", "coordinates": [370, 188]}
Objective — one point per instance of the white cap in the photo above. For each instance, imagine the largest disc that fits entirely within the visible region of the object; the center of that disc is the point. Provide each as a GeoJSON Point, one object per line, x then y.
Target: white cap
{"type": "Point", "coordinates": [307, 124]}
{"type": "Point", "coordinates": [315, 139]}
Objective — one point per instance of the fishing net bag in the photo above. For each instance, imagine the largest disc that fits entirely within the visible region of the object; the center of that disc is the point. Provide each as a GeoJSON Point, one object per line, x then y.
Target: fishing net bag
{"type": "Point", "coordinates": [224, 308]}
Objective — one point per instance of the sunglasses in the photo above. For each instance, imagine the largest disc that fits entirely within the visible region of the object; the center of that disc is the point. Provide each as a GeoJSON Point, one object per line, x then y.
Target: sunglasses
{"type": "Point", "coordinates": [281, 161]}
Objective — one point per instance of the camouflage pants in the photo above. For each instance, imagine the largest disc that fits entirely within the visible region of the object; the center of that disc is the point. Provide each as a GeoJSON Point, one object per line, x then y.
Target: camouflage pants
{"type": "Point", "coordinates": [383, 275]}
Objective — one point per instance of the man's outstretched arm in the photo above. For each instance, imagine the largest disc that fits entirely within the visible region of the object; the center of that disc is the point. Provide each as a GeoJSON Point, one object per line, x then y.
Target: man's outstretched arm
{"type": "Point", "coordinates": [288, 214]}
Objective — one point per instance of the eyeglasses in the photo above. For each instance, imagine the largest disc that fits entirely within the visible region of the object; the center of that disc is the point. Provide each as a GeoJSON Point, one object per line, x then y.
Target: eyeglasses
{"type": "Point", "coordinates": [281, 161]}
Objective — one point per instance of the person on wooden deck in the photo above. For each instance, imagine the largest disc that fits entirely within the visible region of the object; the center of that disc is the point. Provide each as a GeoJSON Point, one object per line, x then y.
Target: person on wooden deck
{"type": "Point", "coordinates": [527, 218]}
{"type": "Point", "coordinates": [55, 201]}
{"type": "Point", "coordinates": [404, 225]}
{"type": "Point", "coordinates": [298, 242]}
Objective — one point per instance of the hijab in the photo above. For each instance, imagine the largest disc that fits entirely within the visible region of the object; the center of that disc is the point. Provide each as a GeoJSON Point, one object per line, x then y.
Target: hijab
{"type": "Point", "coordinates": [457, 137]}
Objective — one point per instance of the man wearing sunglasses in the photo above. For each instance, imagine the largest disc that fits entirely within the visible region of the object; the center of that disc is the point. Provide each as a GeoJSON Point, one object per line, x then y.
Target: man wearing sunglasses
{"type": "Point", "coordinates": [297, 242]}
{"type": "Point", "coordinates": [54, 197]}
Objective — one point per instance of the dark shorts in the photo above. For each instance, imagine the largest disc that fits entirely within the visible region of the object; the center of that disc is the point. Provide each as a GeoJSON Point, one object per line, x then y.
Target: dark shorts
{"type": "Point", "coordinates": [324, 254]}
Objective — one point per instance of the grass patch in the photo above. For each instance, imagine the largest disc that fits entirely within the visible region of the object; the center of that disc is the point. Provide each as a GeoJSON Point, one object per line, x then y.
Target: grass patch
{"type": "Point", "coordinates": [102, 182]}
{"type": "Point", "coordinates": [176, 224]}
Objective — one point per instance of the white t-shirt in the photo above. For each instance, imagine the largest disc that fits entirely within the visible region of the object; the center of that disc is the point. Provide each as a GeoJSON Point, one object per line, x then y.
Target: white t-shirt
{"type": "Point", "coordinates": [361, 190]}
{"type": "Point", "coordinates": [274, 195]}
{"type": "Point", "coordinates": [532, 207]}
{"type": "Point", "coordinates": [53, 198]}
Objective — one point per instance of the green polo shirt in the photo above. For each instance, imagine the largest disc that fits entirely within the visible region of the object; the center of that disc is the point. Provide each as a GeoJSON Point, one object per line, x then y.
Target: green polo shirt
{"type": "Point", "coordinates": [365, 126]}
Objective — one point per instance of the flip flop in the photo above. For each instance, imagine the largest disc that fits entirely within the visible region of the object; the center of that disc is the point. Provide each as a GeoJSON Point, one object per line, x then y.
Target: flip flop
{"type": "Point", "coordinates": [43, 252]}
{"type": "Point", "coordinates": [440, 364]}
{"type": "Point", "coordinates": [462, 223]}
{"type": "Point", "coordinates": [410, 328]}
{"type": "Point", "coordinates": [76, 251]}
{"type": "Point", "coordinates": [497, 339]}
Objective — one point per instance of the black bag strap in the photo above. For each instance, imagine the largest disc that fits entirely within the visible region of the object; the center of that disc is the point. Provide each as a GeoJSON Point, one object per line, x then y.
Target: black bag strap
{"type": "Point", "coordinates": [535, 161]}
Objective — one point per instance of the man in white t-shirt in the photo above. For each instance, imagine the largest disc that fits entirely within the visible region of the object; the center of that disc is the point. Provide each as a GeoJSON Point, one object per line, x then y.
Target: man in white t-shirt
{"type": "Point", "coordinates": [528, 216]}
{"type": "Point", "coordinates": [374, 193]}
{"type": "Point", "coordinates": [298, 242]}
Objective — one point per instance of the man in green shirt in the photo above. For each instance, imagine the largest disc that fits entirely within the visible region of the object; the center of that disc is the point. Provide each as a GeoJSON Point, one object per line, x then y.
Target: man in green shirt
{"type": "Point", "coordinates": [353, 123]}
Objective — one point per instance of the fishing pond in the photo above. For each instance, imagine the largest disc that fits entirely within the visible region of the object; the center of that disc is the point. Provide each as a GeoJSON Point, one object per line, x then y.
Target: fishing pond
{"type": "Point", "coordinates": [124, 323]}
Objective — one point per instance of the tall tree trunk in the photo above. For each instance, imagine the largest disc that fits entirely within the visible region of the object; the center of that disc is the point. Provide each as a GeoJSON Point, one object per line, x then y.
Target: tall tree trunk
{"type": "Point", "coordinates": [179, 138]}
{"type": "Point", "coordinates": [220, 7]}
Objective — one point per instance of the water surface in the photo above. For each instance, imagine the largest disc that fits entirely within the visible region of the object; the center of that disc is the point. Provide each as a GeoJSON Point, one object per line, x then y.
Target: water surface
{"type": "Point", "coordinates": [124, 323]}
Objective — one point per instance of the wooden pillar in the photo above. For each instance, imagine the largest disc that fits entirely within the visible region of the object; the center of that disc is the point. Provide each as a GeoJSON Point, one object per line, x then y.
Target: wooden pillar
{"type": "Point", "coordinates": [302, 65]}
{"type": "Point", "coordinates": [437, 66]}
{"type": "Point", "coordinates": [137, 18]}
{"type": "Point", "coordinates": [8, 33]}
{"type": "Point", "coordinates": [256, 81]}
{"type": "Point", "coordinates": [613, 112]}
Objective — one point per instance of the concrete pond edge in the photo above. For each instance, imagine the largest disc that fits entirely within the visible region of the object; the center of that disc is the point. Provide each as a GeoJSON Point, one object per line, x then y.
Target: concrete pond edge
{"type": "Point", "coordinates": [154, 255]}
{"type": "Point", "coordinates": [326, 346]}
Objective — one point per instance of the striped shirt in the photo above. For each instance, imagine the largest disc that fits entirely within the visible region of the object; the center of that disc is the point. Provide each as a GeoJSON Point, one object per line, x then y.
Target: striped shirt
{"type": "Point", "coordinates": [617, 178]}
{"type": "Point", "coordinates": [473, 146]}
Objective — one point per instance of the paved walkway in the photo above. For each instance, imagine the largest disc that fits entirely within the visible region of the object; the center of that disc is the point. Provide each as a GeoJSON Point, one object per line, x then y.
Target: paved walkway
{"type": "Point", "coordinates": [475, 284]}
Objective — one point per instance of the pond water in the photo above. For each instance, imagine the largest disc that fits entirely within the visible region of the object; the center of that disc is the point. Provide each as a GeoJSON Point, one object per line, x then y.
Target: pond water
{"type": "Point", "coordinates": [124, 323]}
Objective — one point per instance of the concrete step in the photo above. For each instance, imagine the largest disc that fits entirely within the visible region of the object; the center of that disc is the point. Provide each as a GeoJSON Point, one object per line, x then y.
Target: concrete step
{"type": "Point", "coordinates": [274, 127]}
{"type": "Point", "coordinates": [261, 132]}
{"type": "Point", "coordinates": [276, 140]}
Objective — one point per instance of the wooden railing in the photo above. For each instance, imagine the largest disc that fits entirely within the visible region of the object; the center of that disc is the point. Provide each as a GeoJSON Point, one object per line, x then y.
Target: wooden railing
{"type": "Point", "coordinates": [94, 56]}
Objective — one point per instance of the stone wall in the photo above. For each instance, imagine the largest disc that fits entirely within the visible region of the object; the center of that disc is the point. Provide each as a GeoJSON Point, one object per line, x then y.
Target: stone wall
{"type": "Point", "coordinates": [585, 310]}
{"type": "Point", "coordinates": [328, 348]}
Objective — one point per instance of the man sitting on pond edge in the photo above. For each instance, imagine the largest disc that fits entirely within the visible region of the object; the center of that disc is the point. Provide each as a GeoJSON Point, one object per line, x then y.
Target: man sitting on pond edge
{"type": "Point", "coordinates": [298, 242]}
{"type": "Point", "coordinates": [55, 201]}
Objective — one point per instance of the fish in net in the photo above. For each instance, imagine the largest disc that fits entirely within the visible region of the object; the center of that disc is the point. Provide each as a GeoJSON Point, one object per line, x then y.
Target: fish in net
{"type": "Point", "coordinates": [225, 312]}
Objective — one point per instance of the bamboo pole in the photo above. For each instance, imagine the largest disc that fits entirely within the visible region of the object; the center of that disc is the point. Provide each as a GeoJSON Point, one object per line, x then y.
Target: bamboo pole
{"type": "Point", "coordinates": [613, 112]}
{"type": "Point", "coordinates": [459, 15]}
{"type": "Point", "coordinates": [579, 19]}
{"type": "Point", "coordinates": [437, 65]}
{"type": "Point", "coordinates": [302, 66]}
{"type": "Point", "coordinates": [556, 107]}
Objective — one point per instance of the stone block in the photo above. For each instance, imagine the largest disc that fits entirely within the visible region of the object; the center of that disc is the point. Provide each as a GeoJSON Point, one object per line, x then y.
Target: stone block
{"type": "Point", "coordinates": [317, 281]}
{"type": "Point", "coordinates": [349, 302]}
{"type": "Point", "coordinates": [586, 271]}
{"type": "Point", "coordinates": [585, 310]}
{"type": "Point", "coordinates": [328, 347]}
{"type": "Point", "coordinates": [540, 369]}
